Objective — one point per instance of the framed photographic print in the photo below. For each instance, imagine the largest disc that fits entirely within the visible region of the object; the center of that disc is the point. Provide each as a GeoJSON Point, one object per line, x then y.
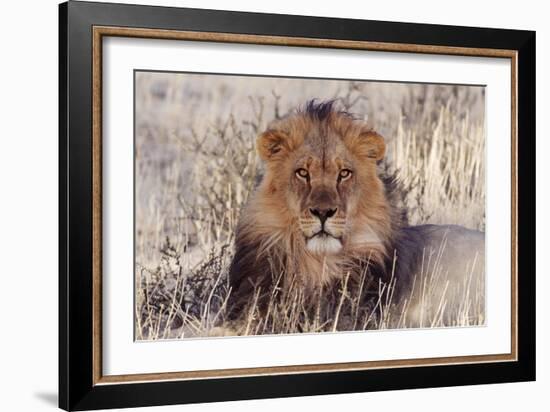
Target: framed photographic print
{"type": "Point", "coordinates": [257, 205]}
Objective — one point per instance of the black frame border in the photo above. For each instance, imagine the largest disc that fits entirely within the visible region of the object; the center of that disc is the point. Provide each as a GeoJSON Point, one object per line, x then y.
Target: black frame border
{"type": "Point", "coordinates": [76, 387]}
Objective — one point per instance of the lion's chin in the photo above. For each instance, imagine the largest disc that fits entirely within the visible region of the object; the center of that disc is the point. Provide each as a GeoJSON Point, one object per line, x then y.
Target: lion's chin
{"type": "Point", "coordinates": [324, 245]}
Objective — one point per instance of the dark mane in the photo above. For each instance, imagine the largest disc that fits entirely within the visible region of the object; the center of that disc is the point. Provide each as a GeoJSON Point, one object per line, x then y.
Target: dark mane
{"type": "Point", "coordinates": [396, 194]}
{"type": "Point", "coordinates": [406, 242]}
{"type": "Point", "coordinates": [322, 110]}
{"type": "Point", "coordinates": [399, 241]}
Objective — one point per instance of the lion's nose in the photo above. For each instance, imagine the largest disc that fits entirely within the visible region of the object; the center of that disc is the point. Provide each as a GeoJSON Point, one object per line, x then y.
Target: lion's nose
{"type": "Point", "coordinates": [323, 214]}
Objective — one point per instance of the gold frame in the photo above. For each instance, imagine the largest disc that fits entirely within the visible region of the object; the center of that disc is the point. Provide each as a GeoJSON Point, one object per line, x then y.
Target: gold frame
{"type": "Point", "coordinates": [101, 31]}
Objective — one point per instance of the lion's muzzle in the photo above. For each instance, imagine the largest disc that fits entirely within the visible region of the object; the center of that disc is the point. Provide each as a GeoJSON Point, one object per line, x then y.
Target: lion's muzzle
{"type": "Point", "coordinates": [323, 229]}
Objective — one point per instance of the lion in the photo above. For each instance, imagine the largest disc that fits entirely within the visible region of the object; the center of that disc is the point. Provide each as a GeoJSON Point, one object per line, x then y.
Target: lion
{"type": "Point", "coordinates": [324, 210]}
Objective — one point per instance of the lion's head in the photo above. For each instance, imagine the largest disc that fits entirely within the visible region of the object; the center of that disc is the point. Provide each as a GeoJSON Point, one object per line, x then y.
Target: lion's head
{"type": "Point", "coordinates": [321, 165]}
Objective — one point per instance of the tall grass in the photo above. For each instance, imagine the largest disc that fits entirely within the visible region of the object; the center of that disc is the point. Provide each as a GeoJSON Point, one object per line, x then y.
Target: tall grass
{"type": "Point", "coordinates": [196, 166]}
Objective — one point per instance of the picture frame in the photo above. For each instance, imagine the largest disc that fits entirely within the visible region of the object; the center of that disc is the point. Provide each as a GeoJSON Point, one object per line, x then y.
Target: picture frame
{"type": "Point", "coordinates": [83, 27]}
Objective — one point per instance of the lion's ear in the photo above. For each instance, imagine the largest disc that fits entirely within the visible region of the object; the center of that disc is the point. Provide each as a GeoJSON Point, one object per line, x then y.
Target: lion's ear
{"type": "Point", "coordinates": [370, 144]}
{"type": "Point", "coordinates": [271, 143]}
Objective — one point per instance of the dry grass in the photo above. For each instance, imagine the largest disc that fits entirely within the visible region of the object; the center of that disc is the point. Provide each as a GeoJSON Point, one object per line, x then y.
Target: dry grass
{"type": "Point", "coordinates": [196, 166]}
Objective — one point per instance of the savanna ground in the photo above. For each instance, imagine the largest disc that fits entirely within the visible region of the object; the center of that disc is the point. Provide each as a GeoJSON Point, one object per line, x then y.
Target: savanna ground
{"type": "Point", "coordinates": [196, 165]}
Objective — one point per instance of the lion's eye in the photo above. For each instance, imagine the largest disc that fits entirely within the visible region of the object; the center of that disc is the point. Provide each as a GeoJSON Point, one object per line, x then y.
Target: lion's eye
{"type": "Point", "coordinates": [344, 174]}
{"type": "Point", "coordinates": [303, 173]}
